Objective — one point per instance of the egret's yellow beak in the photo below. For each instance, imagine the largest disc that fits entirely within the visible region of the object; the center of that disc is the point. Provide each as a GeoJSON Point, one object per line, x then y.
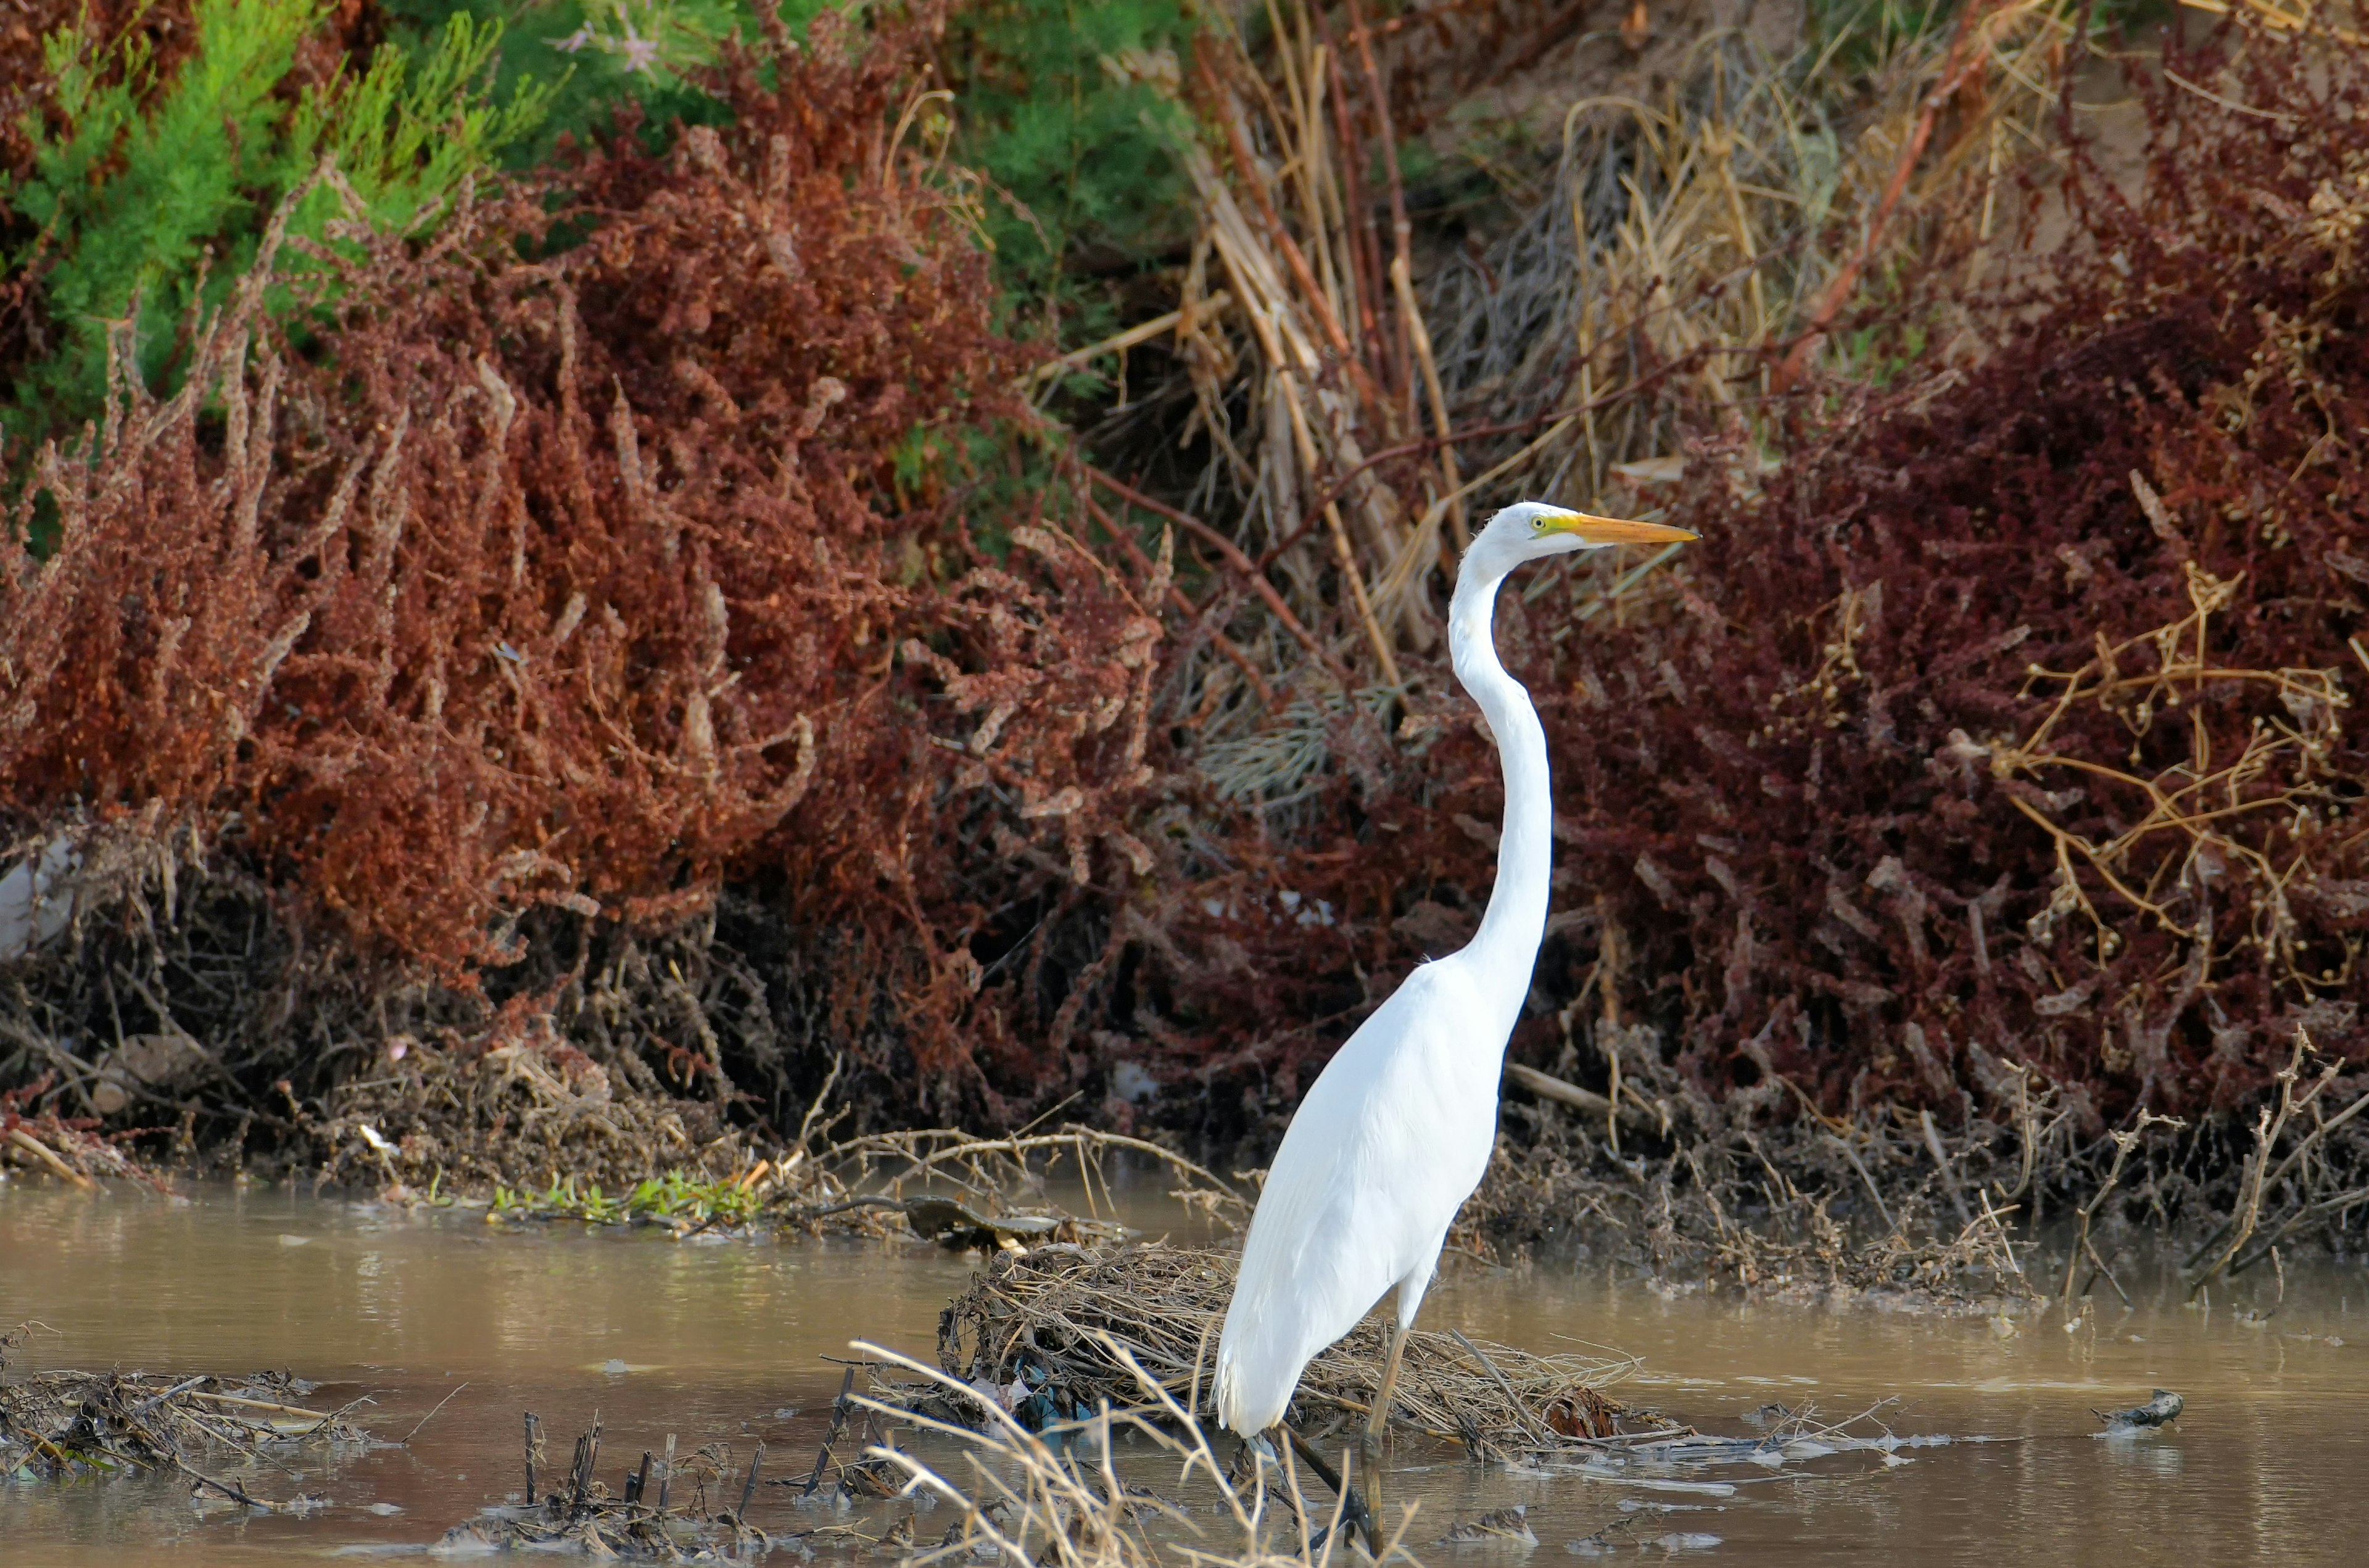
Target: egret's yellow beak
{"type": "Point", "coordinates": [1613, 529]}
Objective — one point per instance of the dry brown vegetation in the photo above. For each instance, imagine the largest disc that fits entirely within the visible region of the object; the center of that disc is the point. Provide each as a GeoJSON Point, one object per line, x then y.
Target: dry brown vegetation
{"type": "Point", "coordinates": [72, 1426]}
{"type": "Point", "coordinates": [636, 632]}
{"type": "Point", "coordinates": [576, 581]}
{"type": "Point", "coordinates": [1086, 1327]}
{"type": "Point", "coordinates": [1996, 746]}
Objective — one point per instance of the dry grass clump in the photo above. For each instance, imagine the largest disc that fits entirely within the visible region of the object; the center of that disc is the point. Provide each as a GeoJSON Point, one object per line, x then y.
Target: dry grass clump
{"type": "Point", "coordinates": [533, 1106]}
{"type": "Point", "coordinates": [1351, 418]}
{"type": "Point", "coordinates": [1056, 1497]}
{"type": "Point", "coordinates": [488, 1129]}
{"type": "Point", "coordinates": [1819, 1208]}
{"type": "Point", "coordinates": [1700, 245]}
{"type": "Point", "coordinates": [1054, 1494]}
{"type": "Point", "coordinates": [1079, 1326]}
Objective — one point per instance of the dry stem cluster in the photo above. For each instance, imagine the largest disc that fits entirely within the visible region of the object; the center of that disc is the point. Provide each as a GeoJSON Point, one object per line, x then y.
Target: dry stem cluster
{"type": "Point", "coordinates": [1083, 1326]}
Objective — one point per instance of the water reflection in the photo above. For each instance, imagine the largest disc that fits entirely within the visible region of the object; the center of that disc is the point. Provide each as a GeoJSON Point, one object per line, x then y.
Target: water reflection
{"type": "Point", "coordinates": [2144, 1452]}
{"type": "Point", "coordinates": [727, 1340]}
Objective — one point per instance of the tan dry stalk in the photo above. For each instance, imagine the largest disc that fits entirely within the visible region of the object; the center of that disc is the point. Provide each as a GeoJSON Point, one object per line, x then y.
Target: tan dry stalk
{"type": "Point", "coordinates": [2270, 1125]}
{"type": "Point", "coordinates": [1688, 243]}
{"type": "Point", "coordinates": [2124, 1143]}
{"type": "Point", "coordinates": [2289, 17]}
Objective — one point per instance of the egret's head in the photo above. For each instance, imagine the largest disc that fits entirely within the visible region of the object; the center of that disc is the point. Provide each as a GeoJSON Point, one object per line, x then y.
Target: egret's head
{"type": "Point", "coordinates": [1530, 530]}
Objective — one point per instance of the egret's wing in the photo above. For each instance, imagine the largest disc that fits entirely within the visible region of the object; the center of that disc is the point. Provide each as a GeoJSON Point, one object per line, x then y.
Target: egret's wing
{"type": "Point", "coordinates": [1376, 1162]}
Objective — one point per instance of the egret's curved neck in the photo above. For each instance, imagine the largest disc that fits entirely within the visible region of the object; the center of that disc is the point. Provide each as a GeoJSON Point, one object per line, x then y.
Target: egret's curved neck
{"type": "Point", "coordinates": [1510, 932]}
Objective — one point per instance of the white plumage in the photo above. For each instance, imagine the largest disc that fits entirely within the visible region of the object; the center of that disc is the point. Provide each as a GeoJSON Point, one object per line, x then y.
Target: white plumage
{"type": "Point", "coordinates": [1397, 1130]}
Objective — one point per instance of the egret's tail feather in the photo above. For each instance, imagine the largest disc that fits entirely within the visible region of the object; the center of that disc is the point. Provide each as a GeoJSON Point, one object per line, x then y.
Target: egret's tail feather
{"type": "Point", "coordinates": [1255, 1380]}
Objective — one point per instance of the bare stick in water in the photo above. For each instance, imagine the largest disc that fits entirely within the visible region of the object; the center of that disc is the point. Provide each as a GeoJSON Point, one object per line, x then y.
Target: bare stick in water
{"type": "Point", "coordinates": [749, 1487]}
{"type": "Point", "coordinates": [838, 1425]}
{"type": "Point", "coordinates": [639, 1487]}
{"type": "Point", "coordinates": [432, 1415]}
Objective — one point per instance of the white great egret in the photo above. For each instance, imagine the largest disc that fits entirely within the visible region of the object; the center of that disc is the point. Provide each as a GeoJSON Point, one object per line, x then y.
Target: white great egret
{"type": "Point", "coordinates": [1397, 1129]}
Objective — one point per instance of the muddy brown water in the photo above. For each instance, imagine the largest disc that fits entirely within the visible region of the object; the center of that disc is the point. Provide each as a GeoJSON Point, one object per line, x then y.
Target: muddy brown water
{"type": "Point", "coordinates": [726, 1340]}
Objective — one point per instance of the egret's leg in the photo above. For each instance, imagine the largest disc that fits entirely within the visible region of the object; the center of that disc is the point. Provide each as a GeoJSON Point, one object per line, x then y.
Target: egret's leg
{"type": "Point", "coordinates": [1410, 1298]}
{"type": "Point", "coordinates": [1379, 1416]}
{"type": "Point", "coordinates": [1356, 1515]}
{"type": "Point", "coordinates": [1371, 1450]}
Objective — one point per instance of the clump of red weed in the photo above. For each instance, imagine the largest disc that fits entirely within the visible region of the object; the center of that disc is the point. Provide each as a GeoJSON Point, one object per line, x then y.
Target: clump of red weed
{"type": "Point", "coordinates": [2017, 724]}
{"type": "Point", "coordinates": [584, 559]}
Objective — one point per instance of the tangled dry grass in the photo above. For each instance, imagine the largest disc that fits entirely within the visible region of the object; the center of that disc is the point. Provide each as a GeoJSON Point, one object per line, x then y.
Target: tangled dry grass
{"type": "Point", "coordinates": [1030, 1496]}
{"type": "Point", "coordinates": [1060, 1491]}
{"type": "Point", "coordinates": [1086, 1328]}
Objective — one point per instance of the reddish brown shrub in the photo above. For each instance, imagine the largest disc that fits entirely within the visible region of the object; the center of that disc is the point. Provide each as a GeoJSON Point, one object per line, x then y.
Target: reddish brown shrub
{"type": "Point", "coordinates": [586, 574]}
{"type": "Point", "coordinates": [2017, 719]}
{"type": "Point", "coordinates": [1827, 818]}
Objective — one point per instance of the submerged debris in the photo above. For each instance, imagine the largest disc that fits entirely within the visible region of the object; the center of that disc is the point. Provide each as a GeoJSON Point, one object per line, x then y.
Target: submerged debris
{"type": "Point", "coordinates": [68, 1425]}
{"type": "Point", "coordinates": [1047, 1336]}
{"type": "Point", "coordinates": [2160, 1411]}
{"type": "Point", "coordinates": [1501, 1525]}
{"type": "Point", "coordinates": [944, 1185]}
{"type": "Point", "coordinates": [670, 1524]}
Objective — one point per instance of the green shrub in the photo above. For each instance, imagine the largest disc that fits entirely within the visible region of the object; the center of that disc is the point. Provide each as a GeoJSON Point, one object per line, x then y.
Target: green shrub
{"type": "Point", "coordinates": [152, 190]}
{"type": "Point", "coordinates": [589, 57]}
{"type": "Point", "coordinates": [1077, 150]}
{"type": "Point", "coordinates": [1081, 148]}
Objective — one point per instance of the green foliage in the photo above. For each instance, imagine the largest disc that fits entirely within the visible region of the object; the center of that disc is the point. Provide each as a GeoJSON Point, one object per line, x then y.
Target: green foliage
{"type": "Point", "coordinates": [151, 185]}
{"type": "Point", "coordinates": [590, 58]}
{"type": "Point", "coordinates": [674, 1199]}
{"type": "Point", "coordinates": [406, 134]}
{"type": "Point", "coordinates": [1052, 105]}
{"type": "Point", "coordinates": [155, 189]}
{"type": "Point", "coordinates": [142, 179]}
{"type": "Point", "coordinates": [1060, 115]}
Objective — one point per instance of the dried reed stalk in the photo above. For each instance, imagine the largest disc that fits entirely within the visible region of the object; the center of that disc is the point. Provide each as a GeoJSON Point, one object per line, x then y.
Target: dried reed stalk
{"type": "Point", "coordinates": [2300, 18]}
{"type": "Point", "coordinates": [1723, 224]}
{"type": "Point", "coordinates": [1688, 244]}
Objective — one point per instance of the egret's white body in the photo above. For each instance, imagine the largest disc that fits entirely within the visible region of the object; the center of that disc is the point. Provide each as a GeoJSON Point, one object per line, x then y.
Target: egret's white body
{"type": "Point", "coordinates": [1397, 1130]}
